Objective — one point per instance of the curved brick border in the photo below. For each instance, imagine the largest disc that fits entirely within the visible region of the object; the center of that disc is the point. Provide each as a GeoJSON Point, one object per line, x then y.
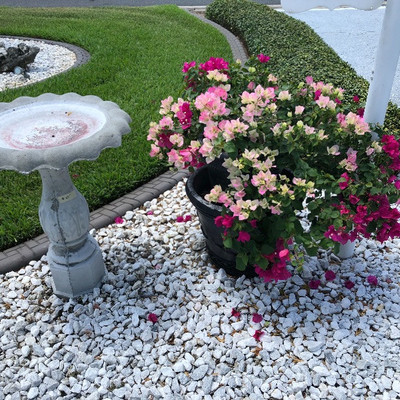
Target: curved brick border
{"type": "Point", "coordinates": [19, 256]}
{"type": "Point", "coordinates": [82, 56]}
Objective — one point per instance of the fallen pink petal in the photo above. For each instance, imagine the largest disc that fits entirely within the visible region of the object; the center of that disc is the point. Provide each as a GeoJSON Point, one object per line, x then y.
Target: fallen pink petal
{"type": "Point", "coordinates": [152, 318]}
{"type": "Point", "coordinates": [119, 220]}
{"type": "Point", "coordinates": [150, 212]}
{"type": "Point", "coordinates": [235, 313]}
{"type": "Point", "coordinates": [314, 284]}
{"type": "Point", "coordinates": [330, 275]}
{"type": "Point", "coordinates": [257, 335]}
{"type": "Point", "coordinates": [349, 284]}
{"type": "Point", "coordinates": [372, 280]}
{"type": "Point", "coordinates": [179, 219]}
{"type": "Point", "coordinates": [188, 218]}
{"type": "Point", "coordinates": [257, 318]}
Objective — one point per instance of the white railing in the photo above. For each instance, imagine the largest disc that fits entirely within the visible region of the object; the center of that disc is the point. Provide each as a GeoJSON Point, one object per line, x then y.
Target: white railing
{"type": "Point", "coordinates": [304, 5]}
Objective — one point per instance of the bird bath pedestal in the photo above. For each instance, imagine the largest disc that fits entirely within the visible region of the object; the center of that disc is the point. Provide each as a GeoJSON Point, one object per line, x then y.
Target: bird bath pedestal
{"type": "Point", "coordinates": [47, 133]}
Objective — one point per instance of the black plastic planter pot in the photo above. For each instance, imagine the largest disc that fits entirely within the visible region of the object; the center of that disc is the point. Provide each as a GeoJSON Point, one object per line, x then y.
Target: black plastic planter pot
{"type": "Point", "coordinates": [199, 184]}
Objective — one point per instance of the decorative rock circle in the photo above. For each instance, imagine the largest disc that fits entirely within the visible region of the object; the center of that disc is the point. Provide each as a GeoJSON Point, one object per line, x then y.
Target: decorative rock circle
{"type": "Point", "coordinates": [11, 80]}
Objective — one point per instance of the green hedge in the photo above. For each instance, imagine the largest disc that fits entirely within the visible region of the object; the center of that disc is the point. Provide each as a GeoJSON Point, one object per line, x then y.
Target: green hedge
{"type": "Point", "coordinates": [295, 49]}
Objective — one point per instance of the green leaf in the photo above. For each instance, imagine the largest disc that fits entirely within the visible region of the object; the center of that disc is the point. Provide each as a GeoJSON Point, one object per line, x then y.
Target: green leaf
{"type": "Point", "coordinates": [241, 261]}
{"type": "Point", "coordinates": [266, 249]}
{"type": "Point", "coordinates": [231, 149]}
{"type": "Point", "coordinates": [228, 243]}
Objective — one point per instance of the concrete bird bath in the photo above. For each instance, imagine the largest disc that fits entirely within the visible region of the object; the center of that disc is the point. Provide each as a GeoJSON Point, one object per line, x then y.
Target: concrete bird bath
{"type": "Point", "coordinates": [47, 133]}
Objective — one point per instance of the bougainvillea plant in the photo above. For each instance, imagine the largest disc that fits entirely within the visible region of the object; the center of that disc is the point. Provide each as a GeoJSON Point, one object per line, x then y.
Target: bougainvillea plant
{"type": "Point", "coordinates": [305, 169]}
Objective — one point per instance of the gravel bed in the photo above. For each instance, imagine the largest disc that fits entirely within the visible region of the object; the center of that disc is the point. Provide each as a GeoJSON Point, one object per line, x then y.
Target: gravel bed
{"type": "Point", "coordinates": [161, 325]}
{"type": "Point", "coordinates": [51, 60]}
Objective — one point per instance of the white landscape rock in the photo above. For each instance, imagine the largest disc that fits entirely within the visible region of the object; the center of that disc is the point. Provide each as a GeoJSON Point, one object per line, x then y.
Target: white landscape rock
{"type": "Point", "coordinates": [331, 343]}
{"type": "Point", "coordinates": [52, 59]}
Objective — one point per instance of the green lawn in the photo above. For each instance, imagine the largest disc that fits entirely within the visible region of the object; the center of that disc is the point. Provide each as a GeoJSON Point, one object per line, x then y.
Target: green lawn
{"type": "Point", "coordinates": [136, 57]}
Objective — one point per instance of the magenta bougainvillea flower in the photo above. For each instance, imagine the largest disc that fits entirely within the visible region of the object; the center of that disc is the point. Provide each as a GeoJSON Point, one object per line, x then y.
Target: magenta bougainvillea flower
{"type": "Point", "coordinates": [235, 313]}
{"type": "Point", "coordinates": [257, 335]}
{"type": "Point", "coordinates": [314, 284]}
{"type": "Point", "coordinates": [188, 65]}
{"type": "Point", "coordinates": [349, 284]}
{"type": "Point", "coordinates": [119, 220]}
{"type": "Point", "coordinates": [253, 223]}
{"type": "Point", "coordinates": [372, 280]}
{"type": "Point", "coordinates": [152, 318]}
{"type": "Point", "coordinates": [257, 318]}
{"type": "Point", "coordinates": [226, 221]}
{"type": "Point", "coordinates": [330, 275]}
{"type": "Point", "coordinates": [243, 236]}
{"type": "Point", "coordinates": [263, 58]}
{"type": "Point", "coordinates": [356, 99]}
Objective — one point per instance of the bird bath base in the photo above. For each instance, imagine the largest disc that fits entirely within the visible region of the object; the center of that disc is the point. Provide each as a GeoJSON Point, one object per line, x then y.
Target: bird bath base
{"type": "Point", "coordinates": [47, 133]}
{"type": "Point", "coordinates": [74, 257]}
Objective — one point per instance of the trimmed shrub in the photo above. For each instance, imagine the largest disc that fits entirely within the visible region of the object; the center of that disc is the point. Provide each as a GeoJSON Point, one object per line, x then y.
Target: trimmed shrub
{"type": "Point", "coordinates": [295, 49]}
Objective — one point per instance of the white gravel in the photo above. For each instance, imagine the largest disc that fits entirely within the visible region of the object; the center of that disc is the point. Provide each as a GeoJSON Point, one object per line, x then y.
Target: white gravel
{"type": "Point", "coordinates": [51, 60]}
{"type": "Point", "coordinates": [327, 343]}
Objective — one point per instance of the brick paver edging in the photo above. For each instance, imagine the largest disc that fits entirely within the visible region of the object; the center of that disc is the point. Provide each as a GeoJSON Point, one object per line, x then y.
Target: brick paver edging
{"type": "Point", "coordinates": [19, 256]}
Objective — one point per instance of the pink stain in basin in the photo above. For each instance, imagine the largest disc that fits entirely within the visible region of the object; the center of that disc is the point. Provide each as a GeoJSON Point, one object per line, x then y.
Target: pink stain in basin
{"type": "Point", "coordinates": [46, 126]}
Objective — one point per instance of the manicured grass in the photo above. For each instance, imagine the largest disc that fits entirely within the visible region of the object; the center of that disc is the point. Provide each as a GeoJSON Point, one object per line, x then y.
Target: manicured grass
{"type": "Point", "coordinates": [136, 57]}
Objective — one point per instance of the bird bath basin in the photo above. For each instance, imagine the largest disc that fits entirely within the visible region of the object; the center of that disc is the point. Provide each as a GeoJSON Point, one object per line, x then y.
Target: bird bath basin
{"type": "Point", "coordinates": [47, 133]}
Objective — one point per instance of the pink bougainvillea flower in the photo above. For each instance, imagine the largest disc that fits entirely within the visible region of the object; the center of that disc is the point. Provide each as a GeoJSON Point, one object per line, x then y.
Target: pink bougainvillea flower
{"type": "Point", "coordinates": [257, 318]}
{"type": "Point", "coordinates": [349, 284]}
{"type": "Point", "coordinates": [119, 220]}
{"type": "Point", "coordinates": [343, 185]}
{"type": "Point", "coordinates": [187, 66]}
{"type": "Point", "coordinates": [152, 318]}
{"type": "Point", "coordinates": [354, 199]}
{"type": "Point", "coordinates": [226, 221]}
{"type": "Point", "coordinates": [317, 94]}
{"type": "Point", "coordinates": [314, 284]}
{"type": "Point", "coordinates": [235, 313]}
{"type": "Point", "coordinates": [356, 99]}
{"type": "Point", "coordinates": [243, 236]}
{"type": "Point", "coordinates": [372, 280]}
{"type": "Point", "coordinates": [330, 275]}
{"type": "Point", "coordinates": [257, 335]}
{"type": "Point", "coordinates": [263, 58]}
{"type": "Point", "coordinates": [360, 111]}
{"type": "Point", "coordinates": [214, 63]}
{"type": "Point", "coordinates": [150, 212]}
